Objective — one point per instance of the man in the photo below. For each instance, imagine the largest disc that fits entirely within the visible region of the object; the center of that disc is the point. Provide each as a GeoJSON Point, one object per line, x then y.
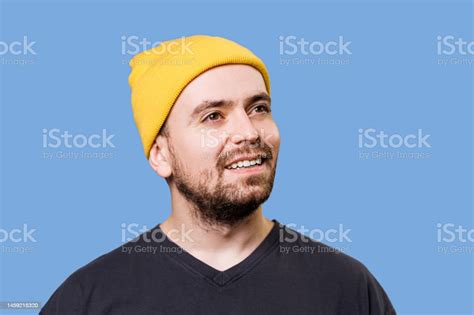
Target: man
{"type": "Point", "coordinates": [203, 110]}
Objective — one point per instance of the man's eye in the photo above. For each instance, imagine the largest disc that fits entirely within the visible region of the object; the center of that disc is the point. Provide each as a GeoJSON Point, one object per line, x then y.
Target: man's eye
{"type": "Point", "coordinates": [262, 108]}
{"type": "Point", "coordinates": [212, 116]}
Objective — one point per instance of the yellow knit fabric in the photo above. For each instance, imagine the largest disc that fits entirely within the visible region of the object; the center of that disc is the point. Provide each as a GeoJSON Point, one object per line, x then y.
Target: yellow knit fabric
{"type": "Point", "coordinates": [158, 76]}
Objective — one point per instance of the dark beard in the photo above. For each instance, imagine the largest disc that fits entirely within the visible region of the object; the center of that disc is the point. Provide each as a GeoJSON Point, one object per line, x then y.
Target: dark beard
{"type": "Point", "coordinates": [224, 204]}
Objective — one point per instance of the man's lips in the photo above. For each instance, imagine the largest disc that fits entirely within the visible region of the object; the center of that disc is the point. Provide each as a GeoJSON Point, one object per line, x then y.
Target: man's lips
{"type": "Point", "coordinates": [256, 168]}
{"type": "Point", "coordinates": [247, 161]}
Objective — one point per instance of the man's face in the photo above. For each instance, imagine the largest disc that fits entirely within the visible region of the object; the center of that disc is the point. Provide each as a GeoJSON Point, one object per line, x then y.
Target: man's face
{"type": "Point", "coordinates": [223, 144]}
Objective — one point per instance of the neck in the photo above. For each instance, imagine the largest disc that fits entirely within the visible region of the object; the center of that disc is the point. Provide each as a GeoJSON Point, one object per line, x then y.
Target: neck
{"type": "Point", "coordinates": [220, 246]}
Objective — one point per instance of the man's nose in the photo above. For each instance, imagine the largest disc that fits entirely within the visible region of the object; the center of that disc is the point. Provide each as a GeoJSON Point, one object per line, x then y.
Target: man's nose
{"type": "Point", "coordinates": [242, 129]}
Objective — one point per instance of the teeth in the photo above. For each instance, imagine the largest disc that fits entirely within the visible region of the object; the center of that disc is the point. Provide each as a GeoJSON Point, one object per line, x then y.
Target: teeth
{"type": "Point", "coordinates": [245, 163]}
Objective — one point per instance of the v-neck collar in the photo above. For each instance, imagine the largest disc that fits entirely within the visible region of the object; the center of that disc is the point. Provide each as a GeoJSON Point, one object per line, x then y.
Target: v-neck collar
{"type": "Point", "coordinates": [217, 277]}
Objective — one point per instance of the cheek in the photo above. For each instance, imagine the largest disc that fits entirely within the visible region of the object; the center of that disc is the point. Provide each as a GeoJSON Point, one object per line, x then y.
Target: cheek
{"type": "Point", "coordinates": [199, 151]}
{"type": "Point", "coordinates": [209, 140]}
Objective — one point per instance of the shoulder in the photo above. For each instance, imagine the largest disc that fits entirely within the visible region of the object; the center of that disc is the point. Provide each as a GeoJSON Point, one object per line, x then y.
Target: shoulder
{"type": "Point", "coordinates": [317, 254]}
{"type": "Point", "coordinates": [107, 273]}
{"type": "Point", "coordinates": [319, 263]}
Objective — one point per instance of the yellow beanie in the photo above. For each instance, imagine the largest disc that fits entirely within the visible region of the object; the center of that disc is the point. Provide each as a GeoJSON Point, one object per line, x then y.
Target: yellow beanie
{"type": "Point", "coordinates": [159, 75]}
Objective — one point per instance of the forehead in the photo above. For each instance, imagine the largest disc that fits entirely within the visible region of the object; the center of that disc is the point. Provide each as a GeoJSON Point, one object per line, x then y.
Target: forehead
{"type": "Point", "coordinates": [228, 82]}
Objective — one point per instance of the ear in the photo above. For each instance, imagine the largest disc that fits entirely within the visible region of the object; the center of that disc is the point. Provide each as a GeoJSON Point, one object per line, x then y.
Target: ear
{"type": "Point", "coordinates": [160, 158]}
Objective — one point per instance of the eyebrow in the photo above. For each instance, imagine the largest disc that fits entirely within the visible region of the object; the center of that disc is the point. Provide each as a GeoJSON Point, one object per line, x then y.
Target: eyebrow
{"type": "Point", "coordinates": [227, 103]}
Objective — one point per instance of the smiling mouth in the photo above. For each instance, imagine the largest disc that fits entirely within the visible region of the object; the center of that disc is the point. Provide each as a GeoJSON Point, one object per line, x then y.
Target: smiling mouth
{"type": "Point", "coordinates": [246, 163]}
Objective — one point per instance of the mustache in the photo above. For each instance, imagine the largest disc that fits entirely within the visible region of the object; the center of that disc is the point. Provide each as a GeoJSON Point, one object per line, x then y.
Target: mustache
{"type": "Point", "coordinates": [264, 151]}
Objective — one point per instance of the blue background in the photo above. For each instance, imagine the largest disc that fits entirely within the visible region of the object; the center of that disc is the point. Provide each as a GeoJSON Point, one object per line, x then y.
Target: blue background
{"type": "Point", "coordinates": [77, 81]}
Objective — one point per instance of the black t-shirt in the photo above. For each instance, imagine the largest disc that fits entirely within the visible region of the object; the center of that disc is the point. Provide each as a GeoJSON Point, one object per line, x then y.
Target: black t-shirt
{"type": "Point", "coordinates": [287, 274]}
